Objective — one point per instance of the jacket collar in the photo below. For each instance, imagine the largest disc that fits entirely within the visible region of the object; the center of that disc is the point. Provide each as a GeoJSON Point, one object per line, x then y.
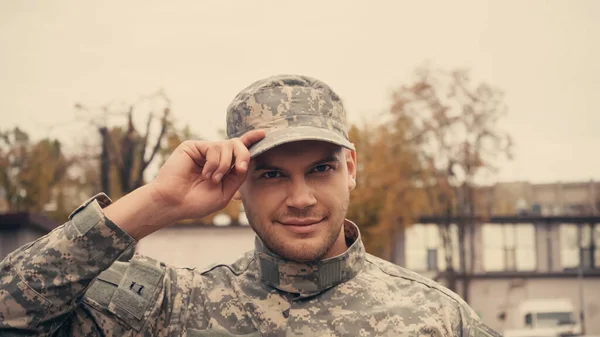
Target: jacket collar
{"type": "Point", "coordinates": [312, 277]}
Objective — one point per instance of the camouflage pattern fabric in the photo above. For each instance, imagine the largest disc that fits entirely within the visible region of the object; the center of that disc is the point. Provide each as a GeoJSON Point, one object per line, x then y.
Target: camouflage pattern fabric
{"type": "Point", "coordinates": [69, 283]}
{"type": "Point", "coordinates": [289, 108]}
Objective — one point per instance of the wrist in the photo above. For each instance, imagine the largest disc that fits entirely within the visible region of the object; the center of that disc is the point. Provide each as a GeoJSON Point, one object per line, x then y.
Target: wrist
{"type": "Point", "coordinates": [162, 211]}
{"type": "Point", "coordinates": [141, 213]}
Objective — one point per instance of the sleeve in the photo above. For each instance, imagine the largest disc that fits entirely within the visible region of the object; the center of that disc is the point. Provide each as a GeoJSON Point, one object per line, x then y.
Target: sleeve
{"type": "Point", "coordinates": [67, 282]}
{"type": "Point", "coordinates": [473, 326]}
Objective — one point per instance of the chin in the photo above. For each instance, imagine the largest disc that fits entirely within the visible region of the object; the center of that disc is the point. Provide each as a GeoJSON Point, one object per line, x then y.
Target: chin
{"type": "Point", "coordinates": [303, 251]}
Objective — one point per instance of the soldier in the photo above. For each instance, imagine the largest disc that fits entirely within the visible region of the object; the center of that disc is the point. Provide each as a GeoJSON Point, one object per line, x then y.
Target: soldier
{"type": "Point", "coordinates": [289, 160]}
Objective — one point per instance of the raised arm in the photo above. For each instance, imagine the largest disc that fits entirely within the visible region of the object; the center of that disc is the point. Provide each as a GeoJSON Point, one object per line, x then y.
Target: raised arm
{"type": "Point", "coordinates": [43, 283]}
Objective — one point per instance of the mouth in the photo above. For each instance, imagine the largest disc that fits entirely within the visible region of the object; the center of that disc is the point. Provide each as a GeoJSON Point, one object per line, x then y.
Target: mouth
{"type": "Point", "coordinates": [301, 226]}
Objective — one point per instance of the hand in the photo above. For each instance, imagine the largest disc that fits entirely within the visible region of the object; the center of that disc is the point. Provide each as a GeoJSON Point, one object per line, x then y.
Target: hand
{"type": "Point", "coordinates": [201, 177]}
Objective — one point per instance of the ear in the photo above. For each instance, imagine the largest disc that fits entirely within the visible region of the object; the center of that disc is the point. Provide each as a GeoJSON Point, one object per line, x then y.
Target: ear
{"type": "Point", "coordinates": [351, 166]}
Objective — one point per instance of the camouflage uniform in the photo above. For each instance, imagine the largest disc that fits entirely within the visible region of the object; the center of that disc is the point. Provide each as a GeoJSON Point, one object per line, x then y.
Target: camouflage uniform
{"type": "Point", "coordinates": [69, 283]}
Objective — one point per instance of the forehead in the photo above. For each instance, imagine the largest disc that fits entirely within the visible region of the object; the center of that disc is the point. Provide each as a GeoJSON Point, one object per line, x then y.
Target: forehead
{"type": "Point", "coordinates": [295, 152]}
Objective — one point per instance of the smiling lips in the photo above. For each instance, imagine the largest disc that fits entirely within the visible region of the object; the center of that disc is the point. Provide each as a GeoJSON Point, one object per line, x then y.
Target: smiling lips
{"type": "Point", "coordinates": [301, 225]}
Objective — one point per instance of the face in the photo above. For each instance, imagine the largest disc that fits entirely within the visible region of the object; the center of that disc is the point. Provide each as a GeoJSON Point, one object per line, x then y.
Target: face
{"type": "Point", "coordinates": [296, 197]}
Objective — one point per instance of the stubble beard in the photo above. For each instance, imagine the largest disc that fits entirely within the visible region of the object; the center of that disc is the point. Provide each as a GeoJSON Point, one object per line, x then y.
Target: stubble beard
{"type": "Point", "coordinates": [301, 251]}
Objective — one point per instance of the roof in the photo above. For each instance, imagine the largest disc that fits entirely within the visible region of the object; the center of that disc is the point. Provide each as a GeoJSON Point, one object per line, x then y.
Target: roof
{"type": "Point", "coordinates": [17, 220]}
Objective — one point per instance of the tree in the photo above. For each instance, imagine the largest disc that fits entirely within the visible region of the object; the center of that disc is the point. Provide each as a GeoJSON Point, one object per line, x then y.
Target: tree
{"type": "Point", "coordinates": [35, 175]}
{"type": "Point", "coordinates": [13, 152]}
{"type": "Point", "coordinates": [455, 125]}
{"type": "Point", "coordinates": [127, 151]}
{"type": "Point", "coordinates": [385, 193]}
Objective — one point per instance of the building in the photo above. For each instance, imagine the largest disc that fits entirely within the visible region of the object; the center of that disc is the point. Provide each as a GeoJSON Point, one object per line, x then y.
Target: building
{"type": "Point", "coordinates": [198, 246]}
{"type": "Point", "coordinates": [572, 198]}
{"type": "Point", "coordinates": [533, 242]}
{"type": "Point", "coordinates": [19, 228]}
{"type": "Point", "coordinates": [515, 259]}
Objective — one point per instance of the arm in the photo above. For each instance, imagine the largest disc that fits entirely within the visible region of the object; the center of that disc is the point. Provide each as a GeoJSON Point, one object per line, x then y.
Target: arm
{"type": "Point", "coordinates": [42, 282]}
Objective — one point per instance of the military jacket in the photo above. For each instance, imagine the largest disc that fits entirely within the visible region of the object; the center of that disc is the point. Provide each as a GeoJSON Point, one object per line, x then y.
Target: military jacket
{"type": "Point", "coordinates": [69, 283]}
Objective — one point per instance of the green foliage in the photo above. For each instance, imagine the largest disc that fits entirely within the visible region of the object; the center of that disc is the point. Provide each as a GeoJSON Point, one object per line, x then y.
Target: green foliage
{"type": "Point", "coordinates": [34, 175]}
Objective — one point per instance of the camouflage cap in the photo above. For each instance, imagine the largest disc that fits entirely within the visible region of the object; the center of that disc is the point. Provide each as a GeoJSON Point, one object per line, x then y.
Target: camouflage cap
{"type": "Point", "coordinates": [288, 108]}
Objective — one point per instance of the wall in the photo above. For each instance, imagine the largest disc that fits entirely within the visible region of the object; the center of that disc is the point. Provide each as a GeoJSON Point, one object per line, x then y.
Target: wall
{"type": "Point", "coordinates": [197, 246]}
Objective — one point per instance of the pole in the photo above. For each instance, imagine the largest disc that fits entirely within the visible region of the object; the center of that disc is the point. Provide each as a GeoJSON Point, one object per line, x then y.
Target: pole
{"type": "Point", "coordinates": [580, 283]}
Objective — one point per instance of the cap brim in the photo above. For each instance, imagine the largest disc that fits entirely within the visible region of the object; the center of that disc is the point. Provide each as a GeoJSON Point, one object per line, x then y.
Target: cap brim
{"type": "Point", "coordinates": [287, 135]}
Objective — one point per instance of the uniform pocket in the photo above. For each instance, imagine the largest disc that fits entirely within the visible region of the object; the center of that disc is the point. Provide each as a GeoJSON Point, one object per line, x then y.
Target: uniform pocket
{"type": "Point", "coordinates": [218, 333]}
{"type": "Point", "coordinates": [23, 307]}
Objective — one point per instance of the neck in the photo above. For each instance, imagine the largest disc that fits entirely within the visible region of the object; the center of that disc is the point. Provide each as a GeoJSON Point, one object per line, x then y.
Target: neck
{"type": "Point", "coordinates": [309, 278]}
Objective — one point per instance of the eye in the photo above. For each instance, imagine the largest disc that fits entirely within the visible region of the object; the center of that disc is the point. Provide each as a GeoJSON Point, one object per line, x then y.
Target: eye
{"type": "Point", "coordinates": [322, 168]}
{"type": "Point", "coordinates": [271, 174]}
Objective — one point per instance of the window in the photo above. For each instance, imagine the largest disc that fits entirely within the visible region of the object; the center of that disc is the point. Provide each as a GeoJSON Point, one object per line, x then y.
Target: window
{"type": "Point", "coordinates": [418, 241]}
{"type": "Point", "coordinates": [528, 320]}
{"type": "Point", "coordinates": [586, 252]}
{"type": "Point", "coordinates": [509, 247]}
{"type": "Point", "coordinates": [569, 247]}
{"type": "Point", "coordinates": [453, 248]}
{"type": "Point", "coordinates": [432, 262]}
{"type": "Point", "coordinates": [525, 247]}
{"type": "Point", "coordinates": [425, 248]}
{"type": "Point", "coordinates": [554, 319]}
{"type": "Point", "coordinates": [579, 245]}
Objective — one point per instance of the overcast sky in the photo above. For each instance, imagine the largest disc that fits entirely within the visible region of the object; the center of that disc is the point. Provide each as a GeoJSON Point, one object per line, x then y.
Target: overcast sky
{"type": "Point", "coordinates": [544, 54]}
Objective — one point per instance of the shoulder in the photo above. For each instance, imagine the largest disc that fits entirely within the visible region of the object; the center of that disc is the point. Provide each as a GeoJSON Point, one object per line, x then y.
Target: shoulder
{"type": "Point", "coordinates": [397, 273]}
{"type": "Point", "coordinates": [424, 291]}
{"type": "Point", "coordinates": [413, 282]}
{"type": "Point", "coordinates": [237, 268]}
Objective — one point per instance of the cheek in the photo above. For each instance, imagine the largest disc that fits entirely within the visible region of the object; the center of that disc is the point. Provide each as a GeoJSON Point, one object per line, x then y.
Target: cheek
{"type": "Point", "coordinates": [332, 193]}
{"type": "Point", "coordinates": [262, 202]}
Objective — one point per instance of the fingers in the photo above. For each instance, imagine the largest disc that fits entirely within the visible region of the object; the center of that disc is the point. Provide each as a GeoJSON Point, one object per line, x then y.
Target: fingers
{"type": "Point", "coordinates": [219, 156]}
{"type": "Point", "coordinates": [219, 159]}
{"type": "Point", "coordinates": [242, 156]}
{"type": "Point", "coordinates": [252, 137]}
{"type": "Point", "coordinates": [224, 162]}
{"type": "Point", "coordinates": [213, 158]}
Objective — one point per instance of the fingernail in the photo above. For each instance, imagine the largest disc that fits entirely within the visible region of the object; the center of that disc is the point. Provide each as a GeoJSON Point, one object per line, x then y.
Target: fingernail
{"type": "Point", "coordinates": [218, 177]}
{"type": "Point", "coordinates": [243, 165]}
{"type": "Point", "coordinates": [208, 175]}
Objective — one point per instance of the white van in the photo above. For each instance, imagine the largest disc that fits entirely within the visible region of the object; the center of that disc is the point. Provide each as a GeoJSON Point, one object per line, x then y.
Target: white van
{"type": "Point", "coordinates": [545, 318]}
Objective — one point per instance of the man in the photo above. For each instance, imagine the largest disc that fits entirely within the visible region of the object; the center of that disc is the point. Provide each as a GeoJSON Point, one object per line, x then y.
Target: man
{"type": "Point", "coordinates": [289, 159]}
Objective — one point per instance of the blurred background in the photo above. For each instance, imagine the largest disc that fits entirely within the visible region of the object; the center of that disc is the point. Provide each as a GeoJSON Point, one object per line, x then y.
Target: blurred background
{"type": "Point", "coordinates": [476, 126]}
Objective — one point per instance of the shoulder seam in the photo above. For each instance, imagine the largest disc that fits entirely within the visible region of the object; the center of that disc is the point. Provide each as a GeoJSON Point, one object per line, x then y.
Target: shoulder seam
{"type": "Point", "coordinates": [432, 286]}
{"type": "Point", "coordinates": [228, 266]}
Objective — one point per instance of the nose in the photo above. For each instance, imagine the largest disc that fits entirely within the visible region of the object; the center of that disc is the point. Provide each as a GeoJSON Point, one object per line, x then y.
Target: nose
{"type": "Point", "coordinates": [300, 194]}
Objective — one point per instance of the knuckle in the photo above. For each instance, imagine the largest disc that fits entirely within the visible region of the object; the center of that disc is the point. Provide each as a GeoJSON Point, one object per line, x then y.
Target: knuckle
{"type": "Point", "coordinates": [236, 141]}
{"type": "Point", "coordinates": [186, 144]}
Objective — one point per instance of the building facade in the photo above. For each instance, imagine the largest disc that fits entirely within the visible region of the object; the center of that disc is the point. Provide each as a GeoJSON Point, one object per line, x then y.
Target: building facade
{"type": "Point", "coordinates": [528, 242]}
{"type": "Point", "coordinates": [510, 260]}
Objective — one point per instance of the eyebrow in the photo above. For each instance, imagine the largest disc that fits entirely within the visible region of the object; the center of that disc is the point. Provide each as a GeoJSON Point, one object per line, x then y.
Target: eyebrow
{"type": "Point", "coordinates": [270, 167]}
